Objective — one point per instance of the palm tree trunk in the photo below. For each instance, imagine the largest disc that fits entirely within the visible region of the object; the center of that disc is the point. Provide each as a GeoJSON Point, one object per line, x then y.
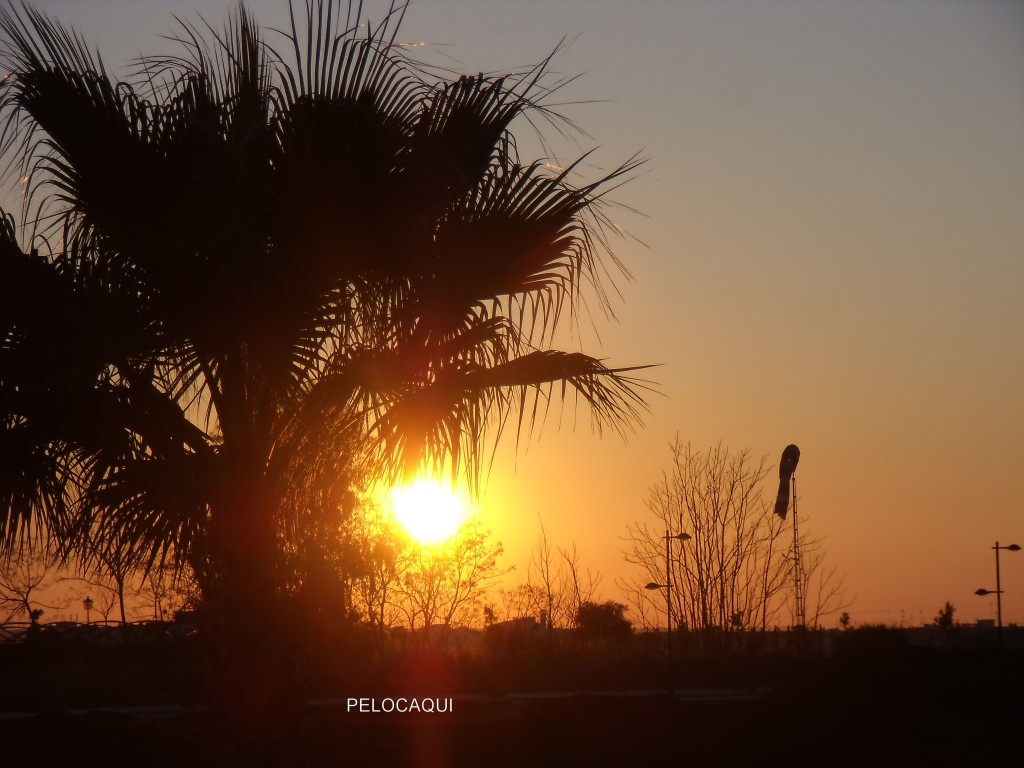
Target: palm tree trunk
{"type": "Point", "coordinates": [253, 687]}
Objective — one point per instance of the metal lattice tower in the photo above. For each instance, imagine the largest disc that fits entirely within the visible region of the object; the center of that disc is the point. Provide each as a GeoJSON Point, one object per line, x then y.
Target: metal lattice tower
{"type": "Point", "coordinates": [800, 598]}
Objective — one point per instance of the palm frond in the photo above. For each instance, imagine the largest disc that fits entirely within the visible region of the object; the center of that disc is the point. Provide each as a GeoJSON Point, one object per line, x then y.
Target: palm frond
{"type": "Point", "coordinates": [34, 498]}
{"type": "Point", "coordinates": [140, 509]}
{"type": "Point", "coordinates": [451, 417]}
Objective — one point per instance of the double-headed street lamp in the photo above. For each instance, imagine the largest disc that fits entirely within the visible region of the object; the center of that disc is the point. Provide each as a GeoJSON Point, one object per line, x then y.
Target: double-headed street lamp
{"type": "Point", "coordinates": [998, 591]}
{"type": "Point", "coordinates": [667, 586]}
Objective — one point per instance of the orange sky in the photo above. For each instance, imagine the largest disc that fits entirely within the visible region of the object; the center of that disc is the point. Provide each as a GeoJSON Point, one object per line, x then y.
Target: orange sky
{"type": "Point", "coordinates": [835, 259]}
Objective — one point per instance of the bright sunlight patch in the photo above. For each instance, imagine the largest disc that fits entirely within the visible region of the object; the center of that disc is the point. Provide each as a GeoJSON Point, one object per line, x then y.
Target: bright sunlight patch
{"type": "Point", "coordinates": [431, 512]}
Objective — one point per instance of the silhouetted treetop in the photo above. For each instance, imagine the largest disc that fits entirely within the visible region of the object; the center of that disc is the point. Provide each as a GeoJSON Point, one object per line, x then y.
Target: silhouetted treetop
{"type": "Point", "coordinates": [607, 620]}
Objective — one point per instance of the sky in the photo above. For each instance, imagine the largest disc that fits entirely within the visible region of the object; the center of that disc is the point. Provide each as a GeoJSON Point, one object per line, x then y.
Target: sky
{"type": "Point", "coordinates": [828, 251]}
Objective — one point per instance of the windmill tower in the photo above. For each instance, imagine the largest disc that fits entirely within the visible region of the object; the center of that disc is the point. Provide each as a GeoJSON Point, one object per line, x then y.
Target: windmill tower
{"type": "Point", "coordinates": [787, 494]}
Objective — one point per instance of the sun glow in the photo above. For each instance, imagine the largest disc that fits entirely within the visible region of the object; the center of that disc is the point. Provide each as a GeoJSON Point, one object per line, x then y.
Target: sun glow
{"type": "Point", "coordinates": [430, 511]}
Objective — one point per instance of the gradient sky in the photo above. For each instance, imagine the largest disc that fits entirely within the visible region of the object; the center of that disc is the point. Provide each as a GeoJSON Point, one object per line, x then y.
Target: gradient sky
{"type": "Point", "coordinates": [832, 212]}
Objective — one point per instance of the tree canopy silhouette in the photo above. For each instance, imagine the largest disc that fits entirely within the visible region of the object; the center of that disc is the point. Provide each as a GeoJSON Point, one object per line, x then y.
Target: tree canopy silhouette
{"type": "Point", "coordinates": [248, 272]}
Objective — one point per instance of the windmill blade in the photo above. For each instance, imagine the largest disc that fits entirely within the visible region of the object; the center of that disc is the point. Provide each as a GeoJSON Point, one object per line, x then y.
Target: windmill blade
{"type": "Point", "coordinates": [787, 466]}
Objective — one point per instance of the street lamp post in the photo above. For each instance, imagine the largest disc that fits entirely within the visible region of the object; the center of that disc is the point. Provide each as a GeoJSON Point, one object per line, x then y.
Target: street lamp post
{"type": "Point", "coordinates": [998, 591]}
{"type": "Point", "coordinates": [87, 604]}
{"type": "Point", "coordinates": [668, 596]}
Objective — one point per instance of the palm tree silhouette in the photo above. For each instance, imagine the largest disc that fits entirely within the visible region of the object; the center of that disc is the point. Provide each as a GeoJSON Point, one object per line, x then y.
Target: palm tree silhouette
{"type": "Point", "coordinates": [248, 274]}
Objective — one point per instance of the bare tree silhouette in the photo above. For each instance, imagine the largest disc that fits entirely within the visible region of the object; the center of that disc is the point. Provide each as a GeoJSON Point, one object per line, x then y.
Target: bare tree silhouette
{"type": "Point", "coordinates": [24, 582]}
{"type": "Point", "coordinates": [446, 583]}
{"type": "Point", "coordinates": [734, 571]}
{"type": "Point", "coordinates": [731, 572]}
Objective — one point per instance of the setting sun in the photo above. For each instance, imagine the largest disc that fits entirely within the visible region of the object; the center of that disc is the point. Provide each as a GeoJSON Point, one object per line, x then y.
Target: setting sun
{"type": "Point", "coordinates": [430, 511]}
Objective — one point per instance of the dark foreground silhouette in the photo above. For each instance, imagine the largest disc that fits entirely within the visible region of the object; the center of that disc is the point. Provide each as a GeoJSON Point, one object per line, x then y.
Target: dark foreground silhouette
{"type": "Point", "coordinates": [899, 706]}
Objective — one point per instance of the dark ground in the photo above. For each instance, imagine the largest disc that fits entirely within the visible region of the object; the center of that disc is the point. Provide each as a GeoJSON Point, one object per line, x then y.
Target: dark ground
{"type": "Point", "coordinates": [577, 731]}
{"type": "Point", "coordinates": [900, 707]}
